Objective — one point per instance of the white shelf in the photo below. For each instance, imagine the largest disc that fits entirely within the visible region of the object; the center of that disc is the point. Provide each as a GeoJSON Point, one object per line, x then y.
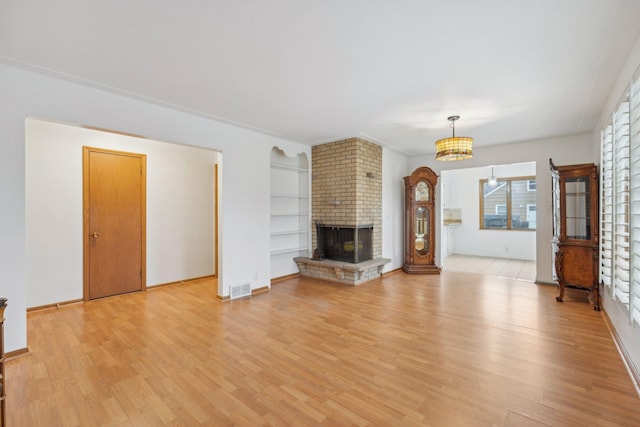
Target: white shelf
{"type": "Point", "coordinates": [288, 214]}
{"type": "Point", "coordinates": [288, 250]}
{"type": "Point", "coordinates": [288, 232]}
{"type": "Point", "coordinates": [289, 196]}
{"type": "Point", "coordinates": [288, 168]}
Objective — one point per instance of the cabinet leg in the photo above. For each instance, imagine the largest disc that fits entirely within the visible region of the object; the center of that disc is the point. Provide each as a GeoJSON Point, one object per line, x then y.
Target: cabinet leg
{"type": "Point", "coordinates": [596, 298]}
{"type": "Point", "coordinates": [560, 292]}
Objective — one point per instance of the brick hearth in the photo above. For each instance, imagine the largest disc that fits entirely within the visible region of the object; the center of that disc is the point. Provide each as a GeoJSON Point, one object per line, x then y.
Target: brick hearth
{"type": "Point", "coordinates": [340, 271]}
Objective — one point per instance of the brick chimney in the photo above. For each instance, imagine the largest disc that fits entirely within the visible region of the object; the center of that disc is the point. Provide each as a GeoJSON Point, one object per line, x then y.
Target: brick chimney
{"type": "Point", "coordinates": [346, 186]}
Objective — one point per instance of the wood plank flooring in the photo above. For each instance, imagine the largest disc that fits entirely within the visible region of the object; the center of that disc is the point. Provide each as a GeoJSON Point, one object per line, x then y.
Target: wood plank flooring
{"type": "Point", "coordinates": [454, 349]}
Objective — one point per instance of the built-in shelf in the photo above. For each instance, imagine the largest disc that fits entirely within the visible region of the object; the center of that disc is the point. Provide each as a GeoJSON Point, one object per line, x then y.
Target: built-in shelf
{"type": "Point", "coordinates": [288, 168]}
{"type": "Point", "coordinates": [288, 196]}
{"type": "Point", "coordinates": [289, 214]}
{"type": "Point", "coordinates": [288, 251]}
{"type": "Point", "coordinates": [290, 231]}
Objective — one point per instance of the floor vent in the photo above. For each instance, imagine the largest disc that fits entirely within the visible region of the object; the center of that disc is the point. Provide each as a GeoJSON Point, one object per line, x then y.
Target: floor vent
{"type": "Point", "coordinates": [240, 291]}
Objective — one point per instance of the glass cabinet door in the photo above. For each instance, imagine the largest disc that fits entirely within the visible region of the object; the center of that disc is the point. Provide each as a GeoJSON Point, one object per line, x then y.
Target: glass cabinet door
{"type": "Point", "coordinates": [577, 208]}
{"type": "Point", "coordinates": [422, 230]}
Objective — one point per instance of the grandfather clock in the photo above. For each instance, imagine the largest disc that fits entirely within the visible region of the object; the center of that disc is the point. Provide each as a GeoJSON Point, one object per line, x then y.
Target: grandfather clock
{"type": "Point", "coordinates": [419, 226]}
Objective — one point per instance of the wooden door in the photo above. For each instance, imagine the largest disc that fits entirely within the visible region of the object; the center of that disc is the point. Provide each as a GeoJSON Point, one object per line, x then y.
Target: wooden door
{"type": "Point", "coordinates": [114, 186]}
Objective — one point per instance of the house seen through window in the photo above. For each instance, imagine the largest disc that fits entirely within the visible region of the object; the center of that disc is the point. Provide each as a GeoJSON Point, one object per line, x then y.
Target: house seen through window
{"type": "Point", "coordinates": [510, 204]}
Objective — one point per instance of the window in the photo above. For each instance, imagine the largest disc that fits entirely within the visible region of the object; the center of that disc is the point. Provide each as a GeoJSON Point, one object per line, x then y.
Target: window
{"type": "Point", "coordinates": [615, 176]}
{"type": "Point", "coordinates": [620, 204]}
{"type": "Point", "coordinates": [531, 215]}
{"type": "Point", "coordinates": [509, 205]}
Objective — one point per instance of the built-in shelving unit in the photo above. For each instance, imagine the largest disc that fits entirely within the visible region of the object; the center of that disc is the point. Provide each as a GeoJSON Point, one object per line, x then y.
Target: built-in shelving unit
{"type": "Point", "coordinates": [290, 232]}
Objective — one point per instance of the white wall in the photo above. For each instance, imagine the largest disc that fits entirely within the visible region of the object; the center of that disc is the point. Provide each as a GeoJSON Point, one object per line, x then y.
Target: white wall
{"type": "Point", "coordinates": [180, 208]}
{"type": "Point", "coordinates": [394, 169]}
{"type": "Point", "coordinates": [244, 189]}
{"type": "Point", "coordinates": [461, 190]}
{"type": "Point", "coordinates": [566, 150]}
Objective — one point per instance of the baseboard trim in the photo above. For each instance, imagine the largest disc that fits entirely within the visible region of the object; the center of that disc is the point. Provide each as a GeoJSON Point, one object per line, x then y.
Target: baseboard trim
{"type": "Point", "coordinates": [628, 363]}
{"type": "Point", "coordinates": [540, 282]}
{"type": "Point", "coordinates": [54, 305]}
{"type": "Point", "coordinates": [390, 272]}
{"type": "Point", "coordinates": [283, 278]}
{"type": "Point", "coordinates": [260, 290]}
{"type": "Point", "coordinates": [180, 282]}
{"type": "Point", "coordinates": [16, 353]}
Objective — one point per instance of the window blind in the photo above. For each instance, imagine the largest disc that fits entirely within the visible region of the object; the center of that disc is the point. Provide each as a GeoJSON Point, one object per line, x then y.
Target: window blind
{"type": "Point", "coordinates": [621, 245]}
{"type": "Point", "coordinates": [621, 150]}
{"type": "Point", "coordinates": [620, 203]}
{"type": "Point", "coordinates": [606, 207]}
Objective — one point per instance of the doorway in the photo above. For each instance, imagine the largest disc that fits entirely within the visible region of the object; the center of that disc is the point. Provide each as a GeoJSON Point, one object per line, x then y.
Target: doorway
{"type": "Point", "coordinates": [180, 204]}
{"type": "Point", "coordinates": [114, 222]}
{"type": "Point", "coordinates": [468, 246]}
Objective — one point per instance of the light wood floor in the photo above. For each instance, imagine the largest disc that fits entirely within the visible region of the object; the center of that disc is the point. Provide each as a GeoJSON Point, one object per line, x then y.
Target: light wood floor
{"type": "Point", "coordinates": [498, 267]}
{"type": "Point", "coordinates": [455, 349]}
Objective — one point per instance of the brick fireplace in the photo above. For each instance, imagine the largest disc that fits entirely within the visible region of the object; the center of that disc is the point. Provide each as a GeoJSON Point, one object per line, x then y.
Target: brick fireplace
{"type": "Point", "coordinates": [346, 191]}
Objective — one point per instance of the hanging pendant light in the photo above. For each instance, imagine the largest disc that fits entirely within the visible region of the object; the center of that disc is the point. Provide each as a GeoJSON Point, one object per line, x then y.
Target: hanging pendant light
{"type": "Point", "coordinates": [492, 181]}
{"type": "Point", "coordinates": [456, 147]}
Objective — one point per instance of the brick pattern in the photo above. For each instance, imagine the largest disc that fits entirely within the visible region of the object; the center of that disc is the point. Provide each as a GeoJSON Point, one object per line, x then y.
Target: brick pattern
{"type": "Point", "coordinates": [346, 186]}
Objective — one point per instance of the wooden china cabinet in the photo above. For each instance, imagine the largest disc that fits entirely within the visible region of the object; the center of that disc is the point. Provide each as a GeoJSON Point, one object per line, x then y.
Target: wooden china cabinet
{"type": "Point", "coordinates": [419, 225]}
{"type": "Point", "coordinates": [575, 228]}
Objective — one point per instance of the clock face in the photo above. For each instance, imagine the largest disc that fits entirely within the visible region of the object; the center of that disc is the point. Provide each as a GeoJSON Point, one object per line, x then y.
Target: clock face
{"type": "Point", "coordinates": [422, 192]}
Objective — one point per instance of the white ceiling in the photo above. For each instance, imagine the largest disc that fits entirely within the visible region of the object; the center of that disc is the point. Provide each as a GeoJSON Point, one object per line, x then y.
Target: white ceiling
{"type": "Point", "coordinates": [315, 71]}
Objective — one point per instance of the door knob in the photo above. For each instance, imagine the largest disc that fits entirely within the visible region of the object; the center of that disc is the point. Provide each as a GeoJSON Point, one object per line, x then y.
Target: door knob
{"type": "Point", "coordinates": [95, 234]}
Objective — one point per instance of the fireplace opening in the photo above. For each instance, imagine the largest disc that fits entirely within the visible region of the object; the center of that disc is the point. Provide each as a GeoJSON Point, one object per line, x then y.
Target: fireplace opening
{"type": "Point", "coordinates": [345, 242]}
